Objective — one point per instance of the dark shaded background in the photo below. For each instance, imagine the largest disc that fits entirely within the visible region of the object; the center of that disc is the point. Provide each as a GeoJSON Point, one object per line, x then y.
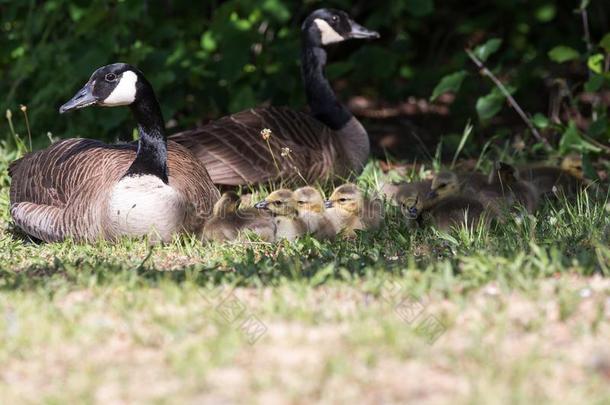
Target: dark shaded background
{"type": "Point", "coordinates": [209, 58]}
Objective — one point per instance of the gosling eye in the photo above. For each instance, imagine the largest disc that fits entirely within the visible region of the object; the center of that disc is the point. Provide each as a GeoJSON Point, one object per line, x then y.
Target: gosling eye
{"type": "Point", "coordinates": [301, 202]}
{"type": "Point", "coordinates": [343, 199]}
{"type": "Point", "coordinates": [110, 77]}
{"type": "Point", "coordinates": [277, 203]}
{"type": "Point", "coordinates": [440, 186]}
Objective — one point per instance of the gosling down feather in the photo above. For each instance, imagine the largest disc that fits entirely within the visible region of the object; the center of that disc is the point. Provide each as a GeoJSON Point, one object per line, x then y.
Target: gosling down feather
{"type": "Point", "coordinates": [282, 146]}
{"type": "Point", "coordinates": [87, 190]}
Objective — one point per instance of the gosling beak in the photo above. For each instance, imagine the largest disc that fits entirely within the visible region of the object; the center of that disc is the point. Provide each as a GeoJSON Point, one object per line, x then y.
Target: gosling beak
{"type": "Point", "coordinates": [432, 194]}
{"type": "Point", "coordinates": [360, 32]}
{"type": "Point", "coordinates": [328, 204]}
{"type": "Point", "coordinates": [413, 213]}
{"type": "Point", "coordinates": [82, 99]}
{"type": "Point", "coordinates": [262, 205]}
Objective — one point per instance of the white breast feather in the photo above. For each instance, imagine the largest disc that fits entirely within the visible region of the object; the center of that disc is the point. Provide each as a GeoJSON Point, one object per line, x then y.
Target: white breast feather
{"type": "Point", "coordinates": [328, 34]}
{"type": "Point", "coordinates": [144, 205]}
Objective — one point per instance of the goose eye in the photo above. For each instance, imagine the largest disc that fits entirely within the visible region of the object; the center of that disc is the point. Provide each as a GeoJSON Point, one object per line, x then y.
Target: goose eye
{"type": "Point", "coordinates": [335, 18]}
{"type": "Point", "coordinates": [110, 77]}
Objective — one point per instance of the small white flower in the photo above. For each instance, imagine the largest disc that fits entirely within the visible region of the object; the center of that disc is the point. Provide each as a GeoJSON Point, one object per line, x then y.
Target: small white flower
{"type": "Point", "coordinates": [266, 133]}
{"type": "Point", "coordinates": [286, 152]}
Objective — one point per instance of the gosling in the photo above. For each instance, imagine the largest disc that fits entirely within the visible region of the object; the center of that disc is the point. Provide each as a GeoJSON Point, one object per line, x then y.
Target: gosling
{"type": "Point", "coordinates": [492, 195]}
{"type": "Point", "coordinates": [443, 213]}
{"type": "Point", "coordinates": [311, 209]}
{"type": "Point", "coordinates": [228, 222]}
{"type": "Point", "coordinates": [283, 207]}
{"type": "Point", "coordinates": [523, 192]}
{"type": "Point", "coordinates": [349, 210]}
{"type": "Point", "coordinates": [568, 179]}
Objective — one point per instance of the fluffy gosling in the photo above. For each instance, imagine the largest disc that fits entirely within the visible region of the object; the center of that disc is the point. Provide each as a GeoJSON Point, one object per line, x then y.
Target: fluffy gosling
{"type": "Point", "coordinates": [524, 193]}
{"type": "Point", "coordinates": [349, 210]}
{"type": "Point", "coordinates": [283, 207]}
{"type": "Point", "coordinates": [228, 222]}
{"type": "Point", "coordinates": [443, 213]}
{"type": "Point", "coordinates": [311, 209]}
{"type": "Point", "coordinates": [492, 195]}
{"type": "Point", "coordinates": [568, 179]}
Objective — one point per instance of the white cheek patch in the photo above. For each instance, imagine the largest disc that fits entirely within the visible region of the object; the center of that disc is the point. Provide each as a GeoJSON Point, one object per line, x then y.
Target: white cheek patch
{"type": "Point", "coordinates": [327, 33]}
{"type": "Point", "coordinates": [125, 92]}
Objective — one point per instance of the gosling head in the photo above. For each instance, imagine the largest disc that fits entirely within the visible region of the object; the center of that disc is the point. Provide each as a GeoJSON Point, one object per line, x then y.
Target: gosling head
{"type": "Point", "coordinates": [227, 204]}
{"type": "Point", "coordinates": [573, 165]}
{"type": "Point", "coordinates": [308, 200]}
{"type": "Point", "coordinates": [410, 201]}
{"type": "Point", "coordinates": [110, 86]}
{"type": "Point", "coordinates": [348, 198]}
{"type": "Point", "coordinates": [329, 26]}
{"type": "Point", "coordinates": [505, 173]}
{"type": "Point", "coordinates": [280, 203]}
{"type": "Point", "coordinates": [444, 184]}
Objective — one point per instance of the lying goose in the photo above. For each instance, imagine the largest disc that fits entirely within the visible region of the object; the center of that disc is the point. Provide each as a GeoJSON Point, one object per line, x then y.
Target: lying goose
{"type": "Point", "coordinates": [229, 222]}
{"type": "Point", "coordinates": [492, 195]}
{"type": "Point", "coordinates": [247, 147]}
{"type": "Point", "coordinates": [311, 209]}
{"type": "Point", "coordinates": [524, 193]}
{"type": "Point", "coordinates": [282, 205]}
{"type": "Point", "coordinates": [87, 190]}
{"type": "Point", "coordinates": [444, 213]}
{"type": "Point", "coordinates": [349, 210]}
{"type": "Point", "coordinates": [549, 180]}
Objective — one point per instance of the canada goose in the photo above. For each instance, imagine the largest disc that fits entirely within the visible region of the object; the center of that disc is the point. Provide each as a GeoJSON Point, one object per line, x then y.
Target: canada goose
{"type": "Point", "coordinates": [311, 209]}
{"type": "Point", "coordinates": [550, 180]}
{"type": "Point", "coordinates": [457, 211]}
{"type": "Point", "coordinates": [283, 207]}
{"type": "Point", "coordinates": [524, 193]}
{"type": "Point", "coordinates": [413, 197]}
{"type": "Point", "coordinates": [86, 189]}
{"type": "Point", "coordinates": [228, 221]}
{"type": "Point", "coordinates": [349, 210]}
{"type": "Point", "coordinates": [492, 195]}
{"type": "Point", "coordinates": [449, 210]}
{"type": "Point", "coordinates": [280, 145]}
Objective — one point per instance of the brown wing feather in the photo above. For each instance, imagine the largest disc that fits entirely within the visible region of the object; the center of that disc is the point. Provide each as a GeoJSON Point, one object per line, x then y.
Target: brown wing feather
{"type": "Point", "coordinates": [62, 191]}
{"type": "Point", "coordinates": [234, 152]}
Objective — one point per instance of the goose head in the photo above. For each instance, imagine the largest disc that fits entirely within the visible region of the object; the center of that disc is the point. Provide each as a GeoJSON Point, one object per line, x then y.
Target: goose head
{"type": "Point", "coordinates": [573, 165]}
{"type": "Point", "coordinates": [505, 173]}
{"type": "Point", "coordinates": [309, 200]}
{"type": "Point", "coordinates": [109, 86]}
{"type": "Point", "coordinates": [227, 204]}
{"type": "Point", "coordinates": [280, 203]}
{"type": "Point", "coordinates": [347, 198]}
{"type": "Point", "coordinates": [410, 200]}
{"type": "Point", "coordinates": [329, 26]}
{"type": "Point", "coordinates": [444, 184]}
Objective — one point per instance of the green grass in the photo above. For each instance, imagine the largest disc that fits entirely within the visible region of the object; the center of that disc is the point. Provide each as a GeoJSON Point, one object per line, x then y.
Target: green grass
{"type": "Point", "coordinates": [516, 314]}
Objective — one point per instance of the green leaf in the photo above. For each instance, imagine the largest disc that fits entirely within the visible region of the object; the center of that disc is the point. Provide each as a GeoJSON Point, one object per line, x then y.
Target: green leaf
{"type": "Point", "coordinates": [449, 83]}
{"type": "Point", "coordinates": [596, 62]}
{"type": "Point", "coordinates": [571, 140]}
{"type": "Point", "coordinates": [208, 43]}
{"type": "Point", "coordinates": [605, 43]}
{"type": "Point", "coordinates": [594, 83]}
{"type": "Point", "coordinates": [561, 54]}
{"type": "Point", "coordinates": [491, 104]}
{"type": "Point", "coordinates": [540, 121]}
{"type": "Point", "coordinates": [598, 127]}
{"type": "Point", "coordinates": [487, 49]}
{"type": "Point", "coordinates": [419, 8]}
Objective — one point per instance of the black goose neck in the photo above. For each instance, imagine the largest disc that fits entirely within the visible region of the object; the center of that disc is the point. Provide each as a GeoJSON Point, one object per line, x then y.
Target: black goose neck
{"type": "Point", "coordinates": [151, 158]}
{"type": "Point", "coordinates": [321, 98]}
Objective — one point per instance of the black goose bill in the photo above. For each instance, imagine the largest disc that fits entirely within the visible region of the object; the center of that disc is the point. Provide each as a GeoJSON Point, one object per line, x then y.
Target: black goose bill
{"type": "Point", "coordinates": [83, 98]}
